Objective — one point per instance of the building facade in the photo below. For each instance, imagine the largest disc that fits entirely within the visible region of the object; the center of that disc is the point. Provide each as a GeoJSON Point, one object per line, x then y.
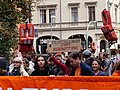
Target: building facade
{"type": "Point", "coordinates": [70, 19]}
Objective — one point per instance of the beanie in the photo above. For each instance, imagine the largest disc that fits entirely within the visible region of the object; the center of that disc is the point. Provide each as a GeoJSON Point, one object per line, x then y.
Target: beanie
{"type": "Point", "coordinates": [18, 59]}
{"type": "Point", "coordinates": [86, 53]}
{"type": "Point", "coordinates": [3, 63]}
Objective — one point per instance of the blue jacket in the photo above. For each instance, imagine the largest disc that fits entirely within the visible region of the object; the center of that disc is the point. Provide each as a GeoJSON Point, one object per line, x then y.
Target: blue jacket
{"type": "Point", "coordinates": [85, 70]}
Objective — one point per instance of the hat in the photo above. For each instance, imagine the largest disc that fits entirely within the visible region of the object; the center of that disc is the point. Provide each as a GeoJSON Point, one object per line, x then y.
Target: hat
{"type": "Point", "coordinates": [3, 63]}
{"type": "Point", "coordinates": [18, 59]}
{"type": "Point", "coordinates": [86, 53]}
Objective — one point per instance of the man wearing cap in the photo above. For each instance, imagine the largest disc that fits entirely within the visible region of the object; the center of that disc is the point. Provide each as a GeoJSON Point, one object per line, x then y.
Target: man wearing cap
{"type": "Point", "coordinates": [3, 67]}
{"type": "Point", "coordinates": [87, 57]}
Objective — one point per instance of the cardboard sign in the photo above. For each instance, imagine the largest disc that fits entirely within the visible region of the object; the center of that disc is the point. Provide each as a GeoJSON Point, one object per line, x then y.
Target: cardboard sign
{"type": "Point", "coordinates": [67, 45]}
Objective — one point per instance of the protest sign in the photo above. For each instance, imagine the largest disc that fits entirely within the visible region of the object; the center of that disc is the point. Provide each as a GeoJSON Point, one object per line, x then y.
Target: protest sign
{"type": "Point", "coordinates": [67, 45]}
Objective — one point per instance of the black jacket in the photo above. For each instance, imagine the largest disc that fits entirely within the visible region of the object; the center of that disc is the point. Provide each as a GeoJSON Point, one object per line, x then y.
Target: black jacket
{"type": "Point", "coordinates": [38, 72]}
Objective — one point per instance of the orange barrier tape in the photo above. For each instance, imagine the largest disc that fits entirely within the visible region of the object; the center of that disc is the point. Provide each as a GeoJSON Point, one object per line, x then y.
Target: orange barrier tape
{"type": "Point", "coordinates": [59, 83]}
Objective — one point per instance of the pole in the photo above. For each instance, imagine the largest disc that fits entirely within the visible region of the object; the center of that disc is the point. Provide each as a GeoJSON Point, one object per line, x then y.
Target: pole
{"type": "Point", "coordinates": [60, 22]}
{"type": "Point", "coordinates": [91, 22]}
{"type": "Point", "coordinates": [87, 37]}
{"type": "Point", "coordinates": [87, 28]}
{"type": "Point", "coordinates": [108, 4]}
{"type": "Point", "coordinates": [51, 26]}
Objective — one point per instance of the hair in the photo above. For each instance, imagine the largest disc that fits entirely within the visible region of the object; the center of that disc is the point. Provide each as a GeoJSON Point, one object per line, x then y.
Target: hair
{"type": "Point", "coordinates": [97, 61]}
{"type": "Point", "coordinates": [18, 59]}
{"type": "Point", "coordinates": [75, 55]}
{"type": "Point", "coordinates": [3, 62]}
{"type": "Point", "coordinates": [26, 60]}
{"type": "Point", "coordinates": [36, 63]}
{"type": "Point", "coordinates": [67, 63]}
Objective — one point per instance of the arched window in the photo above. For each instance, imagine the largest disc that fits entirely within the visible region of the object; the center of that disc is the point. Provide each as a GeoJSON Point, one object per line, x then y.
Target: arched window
{"type": "Point", "coordinates": [102, 45]}
{"type": "Point", "coordinates": [41, 43]}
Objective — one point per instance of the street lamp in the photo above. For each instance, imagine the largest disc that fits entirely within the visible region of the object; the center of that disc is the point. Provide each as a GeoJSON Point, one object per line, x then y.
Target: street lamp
{"type": "Point", "coordinates": [108, 3]}
{"type": "Point", "coordinates": [51, 18]}
{"type": "Point", "coordinates": [60, 21]}
{"type": "Point", "coordinates": [90, 23]}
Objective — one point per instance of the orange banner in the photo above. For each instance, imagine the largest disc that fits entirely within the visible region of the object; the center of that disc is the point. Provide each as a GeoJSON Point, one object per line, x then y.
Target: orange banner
{"type": "Point", "coordinates": [59, 83]}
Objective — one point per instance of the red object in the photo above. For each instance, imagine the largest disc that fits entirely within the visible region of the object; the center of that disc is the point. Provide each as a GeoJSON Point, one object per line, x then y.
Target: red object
{"type": "Point", "coordinates": [106, 17]}
{"type": "Point", "coordinates": [93, 49]}
{"type": "Point", "coordinates": [26, 33]}
{"type": "Point", "coordinates": [26, 48]}
{"type": "Point", "coordinates": [107, 29]}
{"type": "Point", "coordinates": [110, 35]}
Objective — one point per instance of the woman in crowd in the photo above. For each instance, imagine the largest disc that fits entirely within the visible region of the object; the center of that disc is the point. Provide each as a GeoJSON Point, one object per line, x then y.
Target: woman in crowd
{"type": "Point", "coordinates": [41, 66]}
{"type": "Point", "coordinates": [28, 69]}
{"type": "Point", "coordinates": [17, 68]}
{"type": "Point", "coordinates": [96, 68]}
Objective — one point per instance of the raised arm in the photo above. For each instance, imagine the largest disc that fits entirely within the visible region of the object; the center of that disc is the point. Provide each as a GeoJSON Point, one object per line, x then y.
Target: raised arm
{"type": "Point", "coordinates": [59, 64]}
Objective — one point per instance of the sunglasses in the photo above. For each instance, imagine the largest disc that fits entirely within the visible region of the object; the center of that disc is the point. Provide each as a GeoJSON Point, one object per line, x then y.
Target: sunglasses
{"type": "Point", "coordinates": [16, 62]}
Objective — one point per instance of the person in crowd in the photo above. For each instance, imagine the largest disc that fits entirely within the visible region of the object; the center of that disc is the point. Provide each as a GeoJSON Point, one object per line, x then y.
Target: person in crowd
{"type": "Point", "coordinates": [118, 54]}
{"type": "Point", "coordinates": [17, 68]}
{"type": "Point", "coordinates": [117, 69]}
{"type": "Point", "coordinates": [28, 69]}
{"type": "Point", "coordinates": [101, 59]}
{"type": "Point", "coordinates": [96, 68]}
{"type": "Point", "coordinates": [114, 60]}
{"type": "Point", "coordinates": [81, 68]}
{"type": "Point", "coordinates": [66, 68]}
{"type": "Point", "coordinates": [3, 67]}
{"type": "Point", "coordinates": [101, 56]}
{"type": "Point", "coordinates": [41, 66]}
{"type": "Point", "coordinates": [54, 69]}
{"type": "Point", "coordinates": [107, 64]}
{"type": "Point", "coordinates": [32, 61]}
{"type": "Point", "coordinates": [86, 54]}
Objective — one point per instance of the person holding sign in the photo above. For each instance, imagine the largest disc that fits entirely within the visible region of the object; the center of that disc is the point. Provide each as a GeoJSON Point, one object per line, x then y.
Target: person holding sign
{"type": "Point", "coordinates": [74, 66]}
{"type": "Point", "coordinates": [66, 68]}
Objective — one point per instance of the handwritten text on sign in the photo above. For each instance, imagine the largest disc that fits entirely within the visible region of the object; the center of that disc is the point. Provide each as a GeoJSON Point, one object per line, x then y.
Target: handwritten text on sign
{"type": "Point", "coordinates": [68, 45]}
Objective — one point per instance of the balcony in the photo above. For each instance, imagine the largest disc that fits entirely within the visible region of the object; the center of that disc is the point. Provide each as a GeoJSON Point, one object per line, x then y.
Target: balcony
{"type": "Point", "coordinates": [71, 26]}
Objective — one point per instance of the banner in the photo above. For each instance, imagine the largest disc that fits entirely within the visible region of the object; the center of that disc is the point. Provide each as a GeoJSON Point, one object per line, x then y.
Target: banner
{"type": "Point", "coordinates": [59, 83]}
{"type": "Point", "coordinates": [67, 45]}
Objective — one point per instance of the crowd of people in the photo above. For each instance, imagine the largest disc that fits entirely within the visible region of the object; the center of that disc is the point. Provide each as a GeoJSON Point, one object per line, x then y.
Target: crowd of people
{"type": "Point", "coordinates": [75, 64]}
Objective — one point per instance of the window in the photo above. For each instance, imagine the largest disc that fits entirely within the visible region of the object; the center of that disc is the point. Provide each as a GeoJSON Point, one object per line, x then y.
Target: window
{"type": "Point", "coordinates": [91, 12]}
{"type": "Point", "coordinates": [74, 13]}
{"type": "Point", "coordinates": [52, 15]}
{"type": "Point", "coordinates": [43, 16]}
{"type": "Point", "coordinates": [102, 45]}
{"type": "Point", "coordinates": [23, 33]}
